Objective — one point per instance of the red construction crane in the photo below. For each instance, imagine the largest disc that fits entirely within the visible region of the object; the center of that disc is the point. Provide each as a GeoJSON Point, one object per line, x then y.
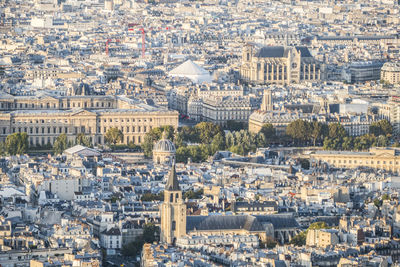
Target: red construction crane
{"type": "Point", "coordinates": [108, 41]}
{"type": "Point", "coordinates": [143, 32]}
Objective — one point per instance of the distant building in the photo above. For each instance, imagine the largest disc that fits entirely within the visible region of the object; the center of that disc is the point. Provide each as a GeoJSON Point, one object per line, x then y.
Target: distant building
{"type": "Point", "coordinates": [390, 73]}
{"type": "Point", "coordinates": [279, 64]}
{"type": "Point", "coordinates": [359, 72]}
{"type": "Point", "coordinates": [192, 71]}
{"type": "Point", "coordinates": [44, 117]}
{"type": "Point", "coordinates": [322, 237]}
{"type": "Point", "coordinates": [175, 224]}
{"type": "Point", "coordinates": [255, 208]}
{"type": "Point", "coordinates": [377, 158]}
{"type": "Point", "coordinates": [164, 151]}
{"type": "Point", "coordinates": [391, 112]}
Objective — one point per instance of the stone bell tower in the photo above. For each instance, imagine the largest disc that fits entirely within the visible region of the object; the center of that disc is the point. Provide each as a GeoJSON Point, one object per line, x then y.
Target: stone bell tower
{"type": "Point", "coordinates": [173, 211]}
{"type": "Point", "coordinates": [267, 101]}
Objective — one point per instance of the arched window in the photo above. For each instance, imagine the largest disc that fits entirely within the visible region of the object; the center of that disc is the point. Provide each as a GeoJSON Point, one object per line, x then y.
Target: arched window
{"type": "Point", "coordinates": [171, 197]}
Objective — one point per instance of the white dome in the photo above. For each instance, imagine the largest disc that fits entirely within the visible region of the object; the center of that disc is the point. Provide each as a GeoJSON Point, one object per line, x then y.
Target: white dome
{"type": "Point", "coordinates": [164, 145]}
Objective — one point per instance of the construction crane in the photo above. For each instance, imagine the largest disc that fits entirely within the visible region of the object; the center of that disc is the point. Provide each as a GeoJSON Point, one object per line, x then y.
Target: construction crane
{"type": "Point", "coordinates": [108, 41]}
{"type": "Point", "coordinates": [143, 32]}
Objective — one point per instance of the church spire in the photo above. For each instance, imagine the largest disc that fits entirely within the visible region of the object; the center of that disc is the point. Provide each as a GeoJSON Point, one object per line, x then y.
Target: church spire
{"type": "Point", "coordinates": [172, 183]}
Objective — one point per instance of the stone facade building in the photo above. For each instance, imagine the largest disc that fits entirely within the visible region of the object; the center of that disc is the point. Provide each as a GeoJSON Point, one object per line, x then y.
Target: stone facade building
{"type": "Point", "coordinates": [45, 117]}
{"type": "Point", "coordinates": [390, 73]}
{"type": "Point", "coordinates": [377, 158]}
{"type": "Point", "coordinates": [279, 65]}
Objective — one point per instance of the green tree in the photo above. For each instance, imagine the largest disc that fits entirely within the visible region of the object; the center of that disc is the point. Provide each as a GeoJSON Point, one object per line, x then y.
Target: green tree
{"type": "Point", "coordinates": [82, 140]}
{"type": "Point", "coordinates": [207, 131]}
{"type": "Point", "coordinates": [336, 131]}
{"type": "Point", "coordinates": [347, 143]}
{"type": "Point", "coordinates": [382, 141]}
{"type": "Point", "coordinates": [232, 125]}
{"type": "Point", "coordinates": [299, 131]}
{"type": "Point", "coordinates": [378, 202]}
{"type": "Point", "coordinates": [60, 144]}
{"type": "Point", "coordinates": [364, 142]}
{"type": "Point", "coordinates": [193, 194]}
{"type": "Point", "coordinates": [3, 149]}
{"type": "Point", "coordinates": [237, 149]}
{"type": "Point", "coordinates": [218, 143]}
{"type": "Point", "coordinates": [153, 136]}
{"type": "Point", "coordinates": [189, 134]}
{"type": "Point", "coordinates": [146, 197]}
{"type": "Point", "coordinates": [150, 235]}
{"type": "Point", "coordinates": [382, 127]}
{"type": "Point", "coordinates": [114, 136]}
{"type": "Point", "coordinates": [319, 131]}
{"type": "Point", "coordinates": [269, 132]}
{"type": "Point", "coordinates": [17, 143]}
{"type": "Point", "coordinates": [182, 154]}
{"type": "Point", "coordinates": [195, 153]}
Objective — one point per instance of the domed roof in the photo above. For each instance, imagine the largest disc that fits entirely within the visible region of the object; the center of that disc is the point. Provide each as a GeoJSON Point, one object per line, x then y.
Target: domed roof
{"type": "Point", "coordinates": [164, 145]}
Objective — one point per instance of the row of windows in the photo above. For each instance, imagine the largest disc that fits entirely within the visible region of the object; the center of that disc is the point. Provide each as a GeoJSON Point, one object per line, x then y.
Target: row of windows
{"type": "Point", "coordinates": [127, 129]}
{"type": "Point", "coordinates": [125, 120]}
{"type": "Point", "coordinates": [362, 162]}
{"type": "Point", "coordinates": [82, 129]}
{"type": "Point", "coordinates": [48, 105]}
{"type": "Point", "coordinates": [83, 121]}
{"type": "Point", "coordinates": [50, 140]}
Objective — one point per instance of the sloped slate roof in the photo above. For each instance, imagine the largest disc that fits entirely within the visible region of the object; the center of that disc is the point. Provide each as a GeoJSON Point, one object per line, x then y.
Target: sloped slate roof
{"type": "Point", "coordinates": [271, 51]}
{"type": "Point", "coordinates": [280, 51]}
{"type": "Point", "coordinates": [223, 222]}
{"type": "Point", "coordinates": [279, 221]}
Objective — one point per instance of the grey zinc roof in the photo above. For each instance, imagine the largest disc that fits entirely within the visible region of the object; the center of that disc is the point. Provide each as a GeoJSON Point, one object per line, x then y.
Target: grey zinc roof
{"type": "Point", "coordinates": [304, 51]}
{"type": "Point", "coordinates": [279, 221]}
{"type": "Point", "coordinates": [271, 51]}
{"type": "Point", "coordinates": [223, 222]}
{"type": "Point", "coordinates": [280, 51]}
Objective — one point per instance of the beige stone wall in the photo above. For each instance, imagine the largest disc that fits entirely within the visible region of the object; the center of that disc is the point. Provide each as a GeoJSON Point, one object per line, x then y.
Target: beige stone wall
{"type": "Point", "coordinates": [262, 235]}
{"type": "Point", "coordinates": [377, 159]}
{"type": "Point", "coordinates": [45, 119]}
{"type": "Point", "coordinates": [173, 217]}
{"type": "Point", "coordinates": [285, 70]}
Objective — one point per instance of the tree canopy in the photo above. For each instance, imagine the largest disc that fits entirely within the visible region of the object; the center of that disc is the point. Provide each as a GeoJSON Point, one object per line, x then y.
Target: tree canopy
{"type": "Point", "coordinates": [114, 136]}
{"type": "Point", "coordinates": [17, 143]}
{"type": "Point", "coordinates": [81, 139]}
{"type": "Point", "coordinates": [60, 144]}
{"type": "Point", "coordinates": [382, 127]}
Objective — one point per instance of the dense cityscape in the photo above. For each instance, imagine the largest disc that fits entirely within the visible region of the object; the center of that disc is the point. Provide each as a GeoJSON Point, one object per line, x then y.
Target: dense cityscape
{"type": "Point", "coordinates": [199, 133]}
